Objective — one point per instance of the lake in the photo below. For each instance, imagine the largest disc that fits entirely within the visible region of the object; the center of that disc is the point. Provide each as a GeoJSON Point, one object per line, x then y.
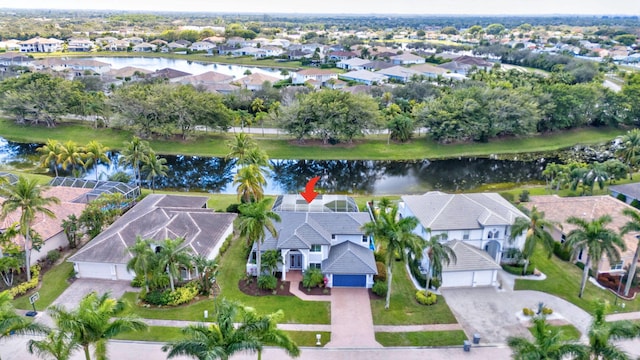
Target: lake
{"type": "Point", "coordinates": [215, 174]}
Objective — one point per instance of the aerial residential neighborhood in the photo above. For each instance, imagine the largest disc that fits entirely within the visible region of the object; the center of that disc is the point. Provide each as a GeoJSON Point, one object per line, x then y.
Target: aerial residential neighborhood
{"type": "Point", "coordinates": [282, 180]}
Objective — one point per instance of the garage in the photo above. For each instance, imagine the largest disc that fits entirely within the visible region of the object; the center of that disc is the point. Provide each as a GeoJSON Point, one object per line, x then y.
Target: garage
{"type": "Point", "coordinates": [94, 270]}
{"type": "Point", "coordinates": [349, 280]}
{"type": "Point", "coordinates": [474, 267]}
{"type": "Point", "coordinates": [468, 278]}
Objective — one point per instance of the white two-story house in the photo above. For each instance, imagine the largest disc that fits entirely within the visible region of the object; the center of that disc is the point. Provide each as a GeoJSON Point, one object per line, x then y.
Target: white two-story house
{"type": "Point", "coordinates": [478, 227]}
{"type": "Point", "coordinates": [333, 242]}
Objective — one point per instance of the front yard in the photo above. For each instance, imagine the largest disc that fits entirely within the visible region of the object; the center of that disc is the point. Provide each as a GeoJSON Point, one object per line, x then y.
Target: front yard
{"type": "Point", "coordinates": [404, 309]}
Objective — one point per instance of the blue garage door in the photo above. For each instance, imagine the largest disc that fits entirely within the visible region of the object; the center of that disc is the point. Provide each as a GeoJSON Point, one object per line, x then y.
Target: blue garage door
{"type": "Point", "coordinates": [350, 280]}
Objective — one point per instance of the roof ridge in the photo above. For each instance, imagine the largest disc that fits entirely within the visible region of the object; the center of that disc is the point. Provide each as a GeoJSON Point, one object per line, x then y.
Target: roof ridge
{"type": "Point", "coordinates": [484, 206]}
{"type": "Point", "coordinates": [451, 197]}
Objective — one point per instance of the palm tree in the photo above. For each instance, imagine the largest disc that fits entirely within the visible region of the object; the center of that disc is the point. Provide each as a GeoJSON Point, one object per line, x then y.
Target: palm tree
{"type": "Point", "coordinates": [95, 153]}
{"type": "Point", "coordinates": [135, 154]}
{"type": "Point", "coordinates": [11, 322]}
{"type": "Point", "coordinates": [26, 196]}
{"type": "Point", "coordinates": [596, 240]}
{"type": "Point", "coordinates": [633, 225]}
{"type": "Point", "coordinates": [154, 166]}
{"type": "Point", "coordinates": [58, 344]}
{"type": "Point", "coordinates": [630, 149]}
{"type": "Point", "coordinates": [222, 339]}
{"type": "Point", "coordinates": [207, 272]}
{"type": "Point", "coordinates": [96, 320]}
{"type": "Point", "coordinates": [547, 344]}
{"type": "Point", "coordinates": [398, 238]}
{"type": "Point", "coordinates": [438, 253]}
{"type": "Point", "coordinates": [72, 156]}
{"type": "Point", "coordinates": [536, 233]}
{"type": "Point", "coordinates": [50, 154]}
{"type": "Point", "coordinates": [255, 218]}
{"type": "Point", "coordinates": [142, 261]}
{"type": "Point", "coordinates": [602, 333]}
{"type": "Point", "coordinates": [172, 256]}
{"type": "Point", "coordinates": [240, 146]}
{"type": "Point", "coordinates": [250, 180]}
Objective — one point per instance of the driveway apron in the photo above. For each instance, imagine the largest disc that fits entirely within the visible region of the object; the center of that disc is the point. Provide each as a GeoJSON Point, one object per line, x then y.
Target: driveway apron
{"type": "Point", "coordinates": [351, 319]}
{"type": "Point", "coordinates": [71, 297]}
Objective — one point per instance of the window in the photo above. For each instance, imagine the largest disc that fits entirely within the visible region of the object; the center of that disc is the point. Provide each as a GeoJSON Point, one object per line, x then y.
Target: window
{"type": "Point", "coordinates": [365, 238]}
{"type": "Point", "coordinates": [315, 266]}
{"type": "Point", "coordinates": [316, 248]}
{"type": "Point", "coordinates": [489, 235]}
{"type": "Point", "coordinates": [333, 236]}
{"type": "Point", "coordinates": [465, 235]}
{"type": "Point", "coordinates": [563, 239]}
{"type": "Point", "coordinates": [618, 266]}
{"type": "Point", "coordinates": [496, 234]}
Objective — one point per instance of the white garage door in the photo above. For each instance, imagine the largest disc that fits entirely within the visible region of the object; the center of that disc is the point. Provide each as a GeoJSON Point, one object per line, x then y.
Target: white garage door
{"type": "Point", "coordinates": [457, 279]}
{"type": "Point", "coordinates": [94, 270]}
{"type": "Point", "coordinates": [483, 278]}
{"type": "Point", "coordinates": [123, 273]}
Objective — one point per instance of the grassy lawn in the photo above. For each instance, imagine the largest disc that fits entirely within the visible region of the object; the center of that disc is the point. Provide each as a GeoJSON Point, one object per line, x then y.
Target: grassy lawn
{"type": "Point", "coordinates": [569, 332]}
{"type": "Point", "coordinates": [421, 338]}
{"type": "Point", "coordinates": [53, 283]}
{"type": "Point", "coordinates": [308, 338]}
{"type": "Point", "coordinates": [232, 269]}
{"type": "Point", "coordinates": [373, 147]}
{"type": "Point", "coordinates": [404, 310]}
{"type": "Point", "coordinates": [563, 280]}
{"type": "Point", "coordinates": [154, 333]}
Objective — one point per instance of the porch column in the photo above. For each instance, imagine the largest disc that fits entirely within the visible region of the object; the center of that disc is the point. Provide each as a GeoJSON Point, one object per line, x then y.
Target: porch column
{"type": "Point", "coordinates": [284, 264]}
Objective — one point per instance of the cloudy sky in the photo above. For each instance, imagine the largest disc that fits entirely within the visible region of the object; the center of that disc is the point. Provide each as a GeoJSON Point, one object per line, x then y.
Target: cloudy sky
{"type": "Point", "coordinates": [417, 7]}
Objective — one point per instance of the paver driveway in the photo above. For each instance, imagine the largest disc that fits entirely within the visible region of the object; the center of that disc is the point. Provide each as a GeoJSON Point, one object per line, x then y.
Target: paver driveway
{"type": "Point", "coordinates": [81, 287]}
{"type": "Point", "coordinates": [493, 314]}
{"type": "Point", "coordinates": [351, 319]}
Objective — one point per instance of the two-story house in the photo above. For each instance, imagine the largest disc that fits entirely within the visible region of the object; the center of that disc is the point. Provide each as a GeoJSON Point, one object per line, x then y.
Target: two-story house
{"type": "Point", "coordinates": [333, 242]}
{"type": "Point", "coordinates": [38, 44]}
{"type": "Point", "coordinates": [478, 227]}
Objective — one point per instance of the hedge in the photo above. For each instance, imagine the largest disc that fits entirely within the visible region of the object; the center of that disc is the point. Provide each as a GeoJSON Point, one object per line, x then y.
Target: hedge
{"type": "Point", "coordinates": [517, 269]}
{"type": "Point", "coordinates": [426, 297]}
{"type": "Point", "coordinates": [27, 285]}
{"type": "Point", "coordinates": [562, 251]}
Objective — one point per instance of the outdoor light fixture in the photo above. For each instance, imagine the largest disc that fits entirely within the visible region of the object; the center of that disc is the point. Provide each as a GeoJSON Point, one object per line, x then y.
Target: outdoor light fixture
{"type": "Point", "coordinates": [318, 336]}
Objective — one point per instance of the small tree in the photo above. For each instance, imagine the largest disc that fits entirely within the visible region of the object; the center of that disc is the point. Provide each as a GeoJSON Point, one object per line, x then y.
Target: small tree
{"type": "Point", "coordinates": [71, 225]}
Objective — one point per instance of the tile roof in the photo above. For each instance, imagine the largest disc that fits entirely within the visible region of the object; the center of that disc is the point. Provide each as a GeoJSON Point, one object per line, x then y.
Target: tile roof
{"type": "Point", "coordinates": [440, 211]}
{"type": "Point", "coordinates": [349, 258]}
{"type": "Point", "coordinates": [469, 258]}
{"type": "Point", "coordinates": [158, 217]}
{"type": "Point", "coordinates": [257, 79]}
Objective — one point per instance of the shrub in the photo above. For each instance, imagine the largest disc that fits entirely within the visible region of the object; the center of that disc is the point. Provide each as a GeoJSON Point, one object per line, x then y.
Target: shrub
{"type": "Point", "coordinates": [562, 251]}
{"type": "Point", "coordinates": [27, 285]}
{"type": "Point", "coordinates": [183, 295]}
{"type": "Point", "coordinates": [233, 208]}
{"type": "Point", "coordinates": [225, 245]}
{"type": "Point", "coordinates": [547, 311]}
{"type": "Point", "coordinates": [267, 282]}
{"type": "Point", "coordinates": [435, 282]}
{"type": "Point", "coordinates": [415, 271]}
{"type": "Point", "coordinates": [137, 281]}
{"type": "Point", "coordinates": [312, 278]}
{"type": "Point", "coordinates": [382, 272]}
{"type": "Point", "coordinates": [524, 196]}
{"type": "Point", "coordinates": [517, 269]}
{"type": "Point", "coordinates": [622, 197]}
{"type": "Point", "coordinates": [156, 297]}
{"type": "Point", "coordinates": [425, 297]}
{"type": "Point", "coordinates": [53, 256]}
{"type": "Point", "coordinates": [508, 196]}
{"type": "Point", "coordinates": [528, 312]}
{"type": "Point", "coordinates": [379, 288]}
{"type": "Point", "coordinates": [635, 203]}
{"type": "Point", "coordinates": [380, 255]}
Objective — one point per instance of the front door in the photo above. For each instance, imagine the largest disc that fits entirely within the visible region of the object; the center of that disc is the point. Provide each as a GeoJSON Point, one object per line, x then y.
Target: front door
{"type": "Point", "coordinates": [295, 261]}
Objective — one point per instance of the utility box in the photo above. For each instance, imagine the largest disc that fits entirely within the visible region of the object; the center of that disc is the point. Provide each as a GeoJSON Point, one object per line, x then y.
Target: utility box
{"type": "Point", "coordinates": [476, 338]}
{"type": "Point", "coordinates": [466, 346]}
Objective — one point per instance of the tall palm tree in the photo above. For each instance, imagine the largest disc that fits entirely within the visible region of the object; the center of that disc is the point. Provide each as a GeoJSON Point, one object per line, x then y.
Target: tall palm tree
{"type": "Point", "coordinates": [58, 344]}
{"type": "Point", "coordinates": [222, 339]}
{"type": "Point", "coordinates": [95, 153]}
{"type": "Point", "coordinates": [172, 256]}
{"type": "Point", "coordinates": [633, 225]}
{"type": "Point", "coordinates": [536, 228]}
{"type": "Point", "coordinates": [255, 220]}
{"type": "Point", "coordinates": [596, 240]}
{"type": "Point", "coordinates": [438, 253]}
{"type": "Point", "coordinates": [602, 333]}
{"type": "Point", "coordinates": [154, 166]}
{"type": "Point", "coordinates": [250, 181]}
{"type": "Point", "coordinates": [135, 154]}
{"type": "Point", "coordinates": [96, 320]}
{"type": "Point", "coordinates": [630, 149]}
{"type": "Point", "coordinates": [240, 146]}
{"type": "Point", "coordinates": [547, 344]}
{"type": "Point", "coordinates": [72, 156]}
{"type": "Point", "coordinates": [143, 260]}
{"type": "Point", "coordinates": [396, 235]}
{"type": "Point", "coordinates": [26, 196]}
{"type": "Point", "coordinates": [50, 154]}
{"type": "Point", "coordinates": [11, 322]}
{"type": "Point", "coordinates": [207, 272]}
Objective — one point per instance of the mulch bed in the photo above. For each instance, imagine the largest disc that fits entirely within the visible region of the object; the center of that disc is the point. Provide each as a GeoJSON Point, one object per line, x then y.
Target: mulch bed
{"type": "Point", "coordinates": [314, 290]}
{"type": "Point", "coordinates": [250, 287]}
{"type": "Point", "coordinates": [374, 296]}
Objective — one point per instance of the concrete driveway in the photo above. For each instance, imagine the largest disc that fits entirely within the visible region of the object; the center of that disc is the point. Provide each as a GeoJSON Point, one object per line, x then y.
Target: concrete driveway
{"type": "Point", "coordinates": [71, 297]}
{"type": "Point", "coordinates": [351, 319]}
{"type": "Point", "coordinates": [494, 314]}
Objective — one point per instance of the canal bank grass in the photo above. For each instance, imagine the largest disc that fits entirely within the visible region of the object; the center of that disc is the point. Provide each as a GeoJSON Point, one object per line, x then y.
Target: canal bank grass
{"type": "Point", "coordinates": [421, 338]}
{"type": "Point", "coordinates": [281, 147]}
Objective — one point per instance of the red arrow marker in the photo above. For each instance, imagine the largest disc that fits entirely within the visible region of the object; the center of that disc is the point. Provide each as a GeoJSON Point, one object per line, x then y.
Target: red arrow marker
{"type": "Point", "coordinates": [309, 194]}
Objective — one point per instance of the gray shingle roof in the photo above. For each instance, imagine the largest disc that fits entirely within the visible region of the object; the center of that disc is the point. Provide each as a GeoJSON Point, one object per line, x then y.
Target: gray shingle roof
{"type": "Point", "coordinates": [440, 211]}
{"type": "Point", "coordinates": [201, 228]}
{"type": "Point", "coordinates": [349, 258]}
{"type": "Point", "coordinates": [629, 190]}
{"type": "Point", "coordinates": [469, 258]}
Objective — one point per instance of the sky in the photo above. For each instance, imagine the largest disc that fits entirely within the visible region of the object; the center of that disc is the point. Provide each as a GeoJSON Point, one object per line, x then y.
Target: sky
{"type": "Point", "coordinates": [414, 7]}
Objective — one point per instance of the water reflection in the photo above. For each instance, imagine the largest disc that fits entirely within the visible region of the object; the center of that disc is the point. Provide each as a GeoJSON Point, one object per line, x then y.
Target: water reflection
{"type": "Point", "coordinates": [336, 176]}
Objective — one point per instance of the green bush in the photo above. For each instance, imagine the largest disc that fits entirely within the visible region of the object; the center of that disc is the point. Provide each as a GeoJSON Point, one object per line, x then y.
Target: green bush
{"type": "Point", "coordinates": [562, 251]}
{"type": "Point", "coordinates": [137, 281]}
{"type": "Point", "coordinates": [183, 295]}
{"type": "Point", "coordinates": [156, 297]}
{"type": "Point", "coordinates": [27, 285]}
{"type": "Point", "coordinates": [380, 255]}
{"type": "Point", "coordinates": [312, 278]}
{"type": "Point", "coordinates": [524, 196]}
{"type": "Point", "coordinates": [225, 245]}
{"type": "Point", "coordinates": [425, 297]}
{"type": "Point", "coordinates": [435, 282]}
{"type": "Point", "coordinates": [508, 196]}
{"type": "Point", "coordinates": [267, 282]}
{"type": "Point", "coordinates": [53, 256]}
{"type": "Point", "coordinates": [517, 269]}
{"type": "Point", "coordinates": [233, 208]}
{"type": "Point", "coordinates": [622, 197]}
{"type": "Point", "coordinates": [382, 272]}
{"type": "Point", "coordinates": [415, 272]}
{"type": "Point", "coordinates": [547, 311]}
{"type": "Point", "coordinates": [379, 288]}
{"type": "Point", "coordinates": [635, 203]}
{"type": "Point", "coordinates": [528, 312]}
